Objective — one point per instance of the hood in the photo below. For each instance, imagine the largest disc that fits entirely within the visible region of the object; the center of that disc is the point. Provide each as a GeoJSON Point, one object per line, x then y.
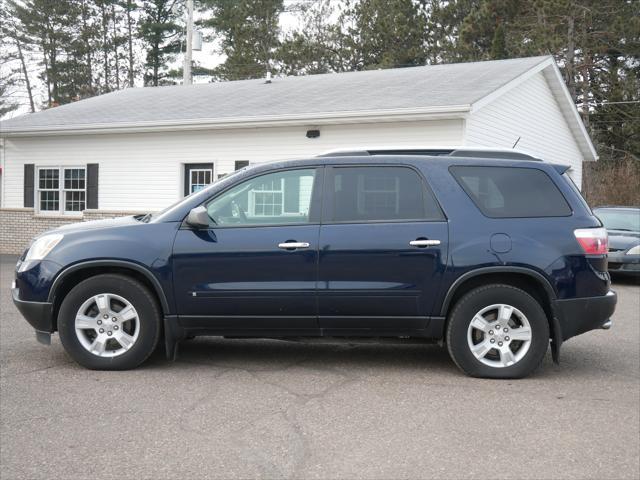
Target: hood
{"type": "Point", "coordinates": [96, 224]}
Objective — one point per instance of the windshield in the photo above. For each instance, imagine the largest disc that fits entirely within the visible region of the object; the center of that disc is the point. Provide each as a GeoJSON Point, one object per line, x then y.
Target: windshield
{"type": "Point", "coordinates": [620, 219]}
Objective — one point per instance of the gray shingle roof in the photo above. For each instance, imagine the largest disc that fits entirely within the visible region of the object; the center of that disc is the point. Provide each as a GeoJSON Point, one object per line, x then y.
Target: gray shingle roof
{"type": "Point", "coordinates": [403, 88]}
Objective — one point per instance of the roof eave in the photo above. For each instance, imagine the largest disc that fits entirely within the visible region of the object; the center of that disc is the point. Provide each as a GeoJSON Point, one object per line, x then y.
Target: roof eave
{"type": "Point", "coordinates": [552, 74]}
{"type": "Point", "coordinates": [561, 92]}
{"type": "Point", "coordinates": [362, 116]}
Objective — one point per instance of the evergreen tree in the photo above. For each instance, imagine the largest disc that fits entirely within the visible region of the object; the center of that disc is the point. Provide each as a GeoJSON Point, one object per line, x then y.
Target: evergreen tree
{"type": "Point", "coordinates": [318, 46]}
{"type": "Point", "coordinates": [14, 76]}
{"type": "Point", "coordinates": [386, 33]}
{"type": "Point", "coordinates": [49, 28]}
{"type": "Point", "coordinates": [161, 33]}
{"type": "Point", "coordinates": [249, 35]}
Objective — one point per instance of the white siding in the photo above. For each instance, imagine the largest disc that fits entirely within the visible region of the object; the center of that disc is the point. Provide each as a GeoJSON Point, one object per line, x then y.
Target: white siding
{"type": "Point", "coordinates": [528, 111]}
{"type": "Point", "coordinates": [144, 171]}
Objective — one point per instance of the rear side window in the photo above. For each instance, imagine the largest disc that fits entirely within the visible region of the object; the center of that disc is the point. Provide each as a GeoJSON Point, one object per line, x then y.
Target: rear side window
{"type": "Point", "coordinates": [505, 192]}
{"type": "Point", "coordinates": [380, 194]}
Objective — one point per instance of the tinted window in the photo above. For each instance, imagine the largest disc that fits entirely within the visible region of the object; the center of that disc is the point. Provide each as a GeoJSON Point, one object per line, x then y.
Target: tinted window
{"type": "Point", "coordinates": [501, 192]}
{"type": "Point", "coordinates": [278, 198]}
{"type": "Point", "coordinates": [365, 194]}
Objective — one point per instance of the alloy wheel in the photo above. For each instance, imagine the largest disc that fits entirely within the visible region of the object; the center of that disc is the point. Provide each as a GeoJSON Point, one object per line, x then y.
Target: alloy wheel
{"type": "Point", "coordinates": [107, 325]}
{"type": "Point", "coordinates": [499, 335]}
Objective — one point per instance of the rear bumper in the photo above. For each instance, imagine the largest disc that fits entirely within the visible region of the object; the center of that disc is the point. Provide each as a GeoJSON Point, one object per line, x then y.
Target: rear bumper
{"type": "Point", "coordinates": [579, 315]}
{"type": "Point", "coordinates": [38, 314]}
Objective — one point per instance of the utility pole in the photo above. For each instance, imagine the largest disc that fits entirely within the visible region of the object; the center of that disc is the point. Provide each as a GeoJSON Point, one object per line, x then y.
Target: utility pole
{"type": "Point", "coordinates": [186, 71]}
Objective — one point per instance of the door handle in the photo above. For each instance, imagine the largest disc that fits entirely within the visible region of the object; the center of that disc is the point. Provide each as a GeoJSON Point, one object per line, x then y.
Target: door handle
{"type": "Point", "coordinates": [424, 243]}
{"type": "Point", "coordinates": [292, 245]}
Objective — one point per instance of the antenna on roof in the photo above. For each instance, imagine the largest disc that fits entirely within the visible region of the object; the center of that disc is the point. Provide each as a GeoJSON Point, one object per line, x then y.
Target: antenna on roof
{"type": "Point", "coordinates": [268, 79]}
{"type": "Point", "coordinates": [514, 145]}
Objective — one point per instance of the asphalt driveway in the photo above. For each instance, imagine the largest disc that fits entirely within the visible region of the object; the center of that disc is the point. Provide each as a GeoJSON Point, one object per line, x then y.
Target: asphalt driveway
{"type": "Point", "coordinates": [271, 409]}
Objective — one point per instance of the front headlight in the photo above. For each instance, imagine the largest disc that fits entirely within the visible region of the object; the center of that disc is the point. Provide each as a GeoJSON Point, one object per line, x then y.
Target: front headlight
{"type": "Point", "coordinates": [634, 250]}
{"type": "Point", "coordinates": [40, 249]}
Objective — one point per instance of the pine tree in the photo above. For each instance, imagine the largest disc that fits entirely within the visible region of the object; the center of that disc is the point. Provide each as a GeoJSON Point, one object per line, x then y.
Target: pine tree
{"type": "Point", "coordinates": [14, 75]}
{"type": "Point", "coordinates": [249, 35]}
{"type": "Point", "coordinates": [51, 29]}
{"type": "Point", "coordinates": [161, 33]}
{"type": "Point", "coordinates": [318, 46]}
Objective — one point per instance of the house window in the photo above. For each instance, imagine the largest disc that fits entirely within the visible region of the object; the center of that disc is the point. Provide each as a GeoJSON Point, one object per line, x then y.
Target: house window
{"type": "Point", "coordinates": [266, 200]}
{"type": "Point", "coordinates": [241, 164]}
{"type": "Point", "coordinates": [378, 195]}
{"type": "Point", "coordinates": [61, 189]}
{"type": "Point", "coordinates": [197, 176]}
{"type": "Point", "coordinates": [74, 189]}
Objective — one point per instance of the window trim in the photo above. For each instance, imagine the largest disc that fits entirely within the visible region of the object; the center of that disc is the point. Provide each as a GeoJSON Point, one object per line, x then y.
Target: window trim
{"type": "Point", "coordinates": [328, 197]}
{"type": "Point", "coordinates": [186, 175]}
{"type": "Point", "coordinates": [198, 171]}
{"type": "Point", "coordinates": [315, 203]}
{"type": "Point", "coordinates": [61, 211]}
{"type": "Point", "coordinates": [473, 202]}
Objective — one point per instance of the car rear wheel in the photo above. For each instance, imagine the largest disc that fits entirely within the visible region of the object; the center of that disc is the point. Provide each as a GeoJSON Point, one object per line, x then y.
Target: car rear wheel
{"type": "Point", "coordinates": [109, 322]}
{"type": "Point", "coordinates": [497, 331]}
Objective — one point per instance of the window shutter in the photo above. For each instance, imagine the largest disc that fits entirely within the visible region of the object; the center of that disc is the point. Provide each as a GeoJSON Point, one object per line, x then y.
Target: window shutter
{"type": "Point", "coordinates": [29, 178]}
{"type": "Point", "coordinates": [241, 164]}
{"type": "Point", "coordinates": [92, 185]}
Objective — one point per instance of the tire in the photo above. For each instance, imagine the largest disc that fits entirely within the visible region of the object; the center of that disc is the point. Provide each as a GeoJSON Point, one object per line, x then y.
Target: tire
{"type": "Point", "coordinates": [472, 327]}
{"type": "Point", "coordinates": [109, 322]}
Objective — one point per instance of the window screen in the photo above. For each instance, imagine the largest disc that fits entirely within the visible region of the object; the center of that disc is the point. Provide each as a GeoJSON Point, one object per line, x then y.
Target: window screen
{"type": "Point", "coordinates": [366, 194]}
{"type": "Point", "coordinates": [502, 192]}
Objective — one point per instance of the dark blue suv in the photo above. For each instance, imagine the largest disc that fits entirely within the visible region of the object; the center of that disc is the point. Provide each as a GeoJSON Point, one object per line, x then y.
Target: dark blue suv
{"type": "Point", "coordinates": [497, 255]}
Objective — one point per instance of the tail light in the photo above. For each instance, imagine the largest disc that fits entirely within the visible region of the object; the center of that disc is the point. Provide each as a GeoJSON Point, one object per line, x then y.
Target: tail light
{"type": "Point", "coordinates": [594, 241]}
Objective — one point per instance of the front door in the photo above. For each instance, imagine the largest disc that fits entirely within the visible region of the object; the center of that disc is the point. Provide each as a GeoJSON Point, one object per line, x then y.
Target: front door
{"type": "Point", "coordinates": [255, 267]}
{"type": "Point", "coordinates": [383, 248]}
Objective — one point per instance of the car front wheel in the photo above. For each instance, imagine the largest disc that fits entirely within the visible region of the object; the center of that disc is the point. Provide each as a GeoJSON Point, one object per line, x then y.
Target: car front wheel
{"type": "Point", "coordinates": [498, 331]}
{"type": "Point", "coordinates": [109, 322]}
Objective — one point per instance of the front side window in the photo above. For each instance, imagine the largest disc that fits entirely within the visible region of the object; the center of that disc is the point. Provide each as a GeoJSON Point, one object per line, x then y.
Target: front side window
{"type": "Point", "coordinates": [380, 194]}
{"type": "Point", "coordinates": [511, 192]}
{"type": "Point", "coordinates": [280, 198]}
{"type": "Point", "coordinates": [61, 189]}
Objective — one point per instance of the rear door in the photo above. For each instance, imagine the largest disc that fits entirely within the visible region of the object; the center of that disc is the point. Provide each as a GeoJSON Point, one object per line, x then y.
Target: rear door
{"type": "Point", "coordinates": [383, 248]}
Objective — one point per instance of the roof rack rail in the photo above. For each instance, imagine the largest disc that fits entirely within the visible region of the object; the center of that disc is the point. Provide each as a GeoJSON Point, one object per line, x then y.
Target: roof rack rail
{"type": "Point", "coordinates": [436, 151]}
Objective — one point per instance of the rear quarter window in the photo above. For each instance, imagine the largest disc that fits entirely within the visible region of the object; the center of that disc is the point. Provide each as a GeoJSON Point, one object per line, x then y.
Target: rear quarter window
{"type": "Point", "coordinates": [508, 192]}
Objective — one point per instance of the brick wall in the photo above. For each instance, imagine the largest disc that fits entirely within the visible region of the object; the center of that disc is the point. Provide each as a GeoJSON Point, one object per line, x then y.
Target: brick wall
{"type": "Point", "coordinates": [19, 225]}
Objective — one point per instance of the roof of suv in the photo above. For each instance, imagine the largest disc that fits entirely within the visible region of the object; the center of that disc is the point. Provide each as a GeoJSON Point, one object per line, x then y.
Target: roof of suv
{"type": "Point", "coordinates": [439, 151]}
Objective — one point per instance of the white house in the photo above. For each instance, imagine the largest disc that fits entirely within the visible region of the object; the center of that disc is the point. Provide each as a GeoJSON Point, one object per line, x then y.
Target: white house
{"type": "Point", "coordinates": [141, 149]}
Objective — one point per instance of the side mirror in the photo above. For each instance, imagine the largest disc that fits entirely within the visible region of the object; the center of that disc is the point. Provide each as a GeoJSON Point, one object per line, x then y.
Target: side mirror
{"type": "Point", "coordinates": [198, 217]}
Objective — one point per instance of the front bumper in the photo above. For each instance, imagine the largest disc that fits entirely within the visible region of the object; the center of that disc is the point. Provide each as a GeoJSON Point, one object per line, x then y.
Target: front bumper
{"type": "Point", "coordinates": [38, 314]}
{"type": "Point", "coordinates": [620, 262]}
{"type": "Point", "coordinates": [579, 315]}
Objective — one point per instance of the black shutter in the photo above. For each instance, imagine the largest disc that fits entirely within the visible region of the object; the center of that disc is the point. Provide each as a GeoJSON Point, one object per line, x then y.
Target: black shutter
{"type": "Point", "coordinates": [29, 177]}
{"type": "Point", "coordinates": [92, 185]}
{"type": "Point", "coordinates": [241, 164]}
